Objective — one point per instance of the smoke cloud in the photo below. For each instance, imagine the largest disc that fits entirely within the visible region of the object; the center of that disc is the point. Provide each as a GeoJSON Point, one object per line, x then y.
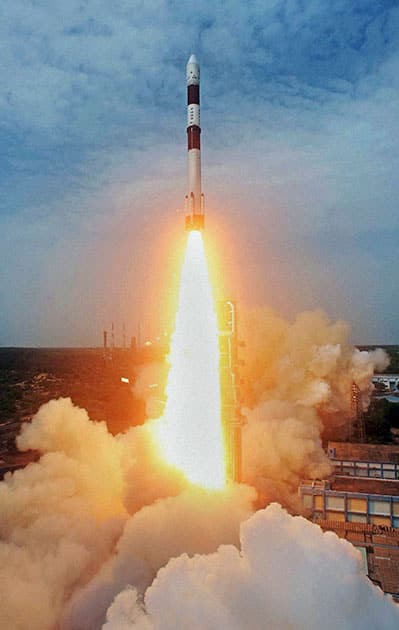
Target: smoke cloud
{"type": "Point", "coordinates": [95, 513]}
{"type": "Point", "coordinates": [196, 521]}
{"type": "Point", "coordinates": [287, 574]}
{"type": "Point", "coordinates": [101, 532]}
{"type": "Point", "coordinates": [299, 378]}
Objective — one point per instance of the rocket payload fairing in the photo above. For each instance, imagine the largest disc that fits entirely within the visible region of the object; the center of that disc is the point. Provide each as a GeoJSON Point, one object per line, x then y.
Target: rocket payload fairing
{"type": "Point", "coordinates": [194, 197]}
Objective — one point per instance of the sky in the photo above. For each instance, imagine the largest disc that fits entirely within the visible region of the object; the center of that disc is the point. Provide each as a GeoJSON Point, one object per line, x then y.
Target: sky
{"type": "Point", "coordinates": [300, 146]}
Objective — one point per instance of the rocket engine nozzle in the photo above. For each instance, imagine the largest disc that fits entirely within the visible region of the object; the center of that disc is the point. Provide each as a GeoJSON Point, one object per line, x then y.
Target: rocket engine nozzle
{"type": "Point", "coordinates": [195, 222]}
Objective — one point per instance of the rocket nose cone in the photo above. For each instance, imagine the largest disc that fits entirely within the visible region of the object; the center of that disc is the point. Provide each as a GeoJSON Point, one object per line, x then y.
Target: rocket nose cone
{"type": "Point", "coordinates": [193, 59]}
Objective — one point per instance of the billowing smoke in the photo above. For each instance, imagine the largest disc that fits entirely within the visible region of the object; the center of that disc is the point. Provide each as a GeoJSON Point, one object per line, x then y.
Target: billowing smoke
{"type": "Point", "coordinates": [287, 574]}
{"type": "Point", "coordinates": [299, 378]}
{"type": "Point", "coordinates": [87, 528]}
{"type": "Point", "coordinates": [95, 513]}
{"type": "Point", "coordinates": [194, 522]}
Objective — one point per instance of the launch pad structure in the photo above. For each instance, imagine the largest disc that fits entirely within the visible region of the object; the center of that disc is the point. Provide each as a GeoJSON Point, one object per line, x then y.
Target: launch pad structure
{"type": "Point", "coordinates": [231, 416]}
{"type": "Point", "coordinates": [357, 429]}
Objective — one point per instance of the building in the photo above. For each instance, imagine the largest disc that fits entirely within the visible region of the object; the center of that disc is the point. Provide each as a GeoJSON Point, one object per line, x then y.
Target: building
{"type": "Point", "coordinates": [379, 548]}
{"type": "Point", "coordinates": [365, 460]}
{"type": "Point", "coordinates": [352, 503]}
{"type": "Point", "coordinates": [389, 381]}
{"type": "Point", "coordinates": [360, 502]}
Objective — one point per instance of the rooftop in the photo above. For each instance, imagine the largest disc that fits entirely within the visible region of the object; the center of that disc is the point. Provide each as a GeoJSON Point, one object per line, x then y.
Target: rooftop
{"type": "Point", "coordinates": [381, 546]}
{"type": "Point", "coordinates": [364, 452]}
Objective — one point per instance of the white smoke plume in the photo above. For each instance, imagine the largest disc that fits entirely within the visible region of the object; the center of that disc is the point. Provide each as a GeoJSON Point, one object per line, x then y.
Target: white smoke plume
{"type": "Point", "coordinates": [196, 521]}
{"type": "Point", "coordinates": [287, 574]}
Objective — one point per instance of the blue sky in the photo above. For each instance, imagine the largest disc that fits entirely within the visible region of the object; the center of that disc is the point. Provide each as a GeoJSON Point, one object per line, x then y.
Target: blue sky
{"type": "Point", "coordinates": [300, 158]}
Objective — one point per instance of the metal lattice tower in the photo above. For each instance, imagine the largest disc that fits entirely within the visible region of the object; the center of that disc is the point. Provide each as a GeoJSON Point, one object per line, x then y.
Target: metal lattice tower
{"type": "Point", "coordinates": [232, 418]}
{"type": "Point", "coordinates": [357, 424]}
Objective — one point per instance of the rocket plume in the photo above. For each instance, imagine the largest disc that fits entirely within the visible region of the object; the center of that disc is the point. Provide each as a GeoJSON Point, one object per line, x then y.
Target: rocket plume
{"type": "Point", "coordinates": [190, 432]}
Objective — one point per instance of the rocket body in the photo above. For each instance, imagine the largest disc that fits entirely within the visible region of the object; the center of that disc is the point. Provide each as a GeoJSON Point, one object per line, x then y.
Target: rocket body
{"type": "Point", "coordinates": [194, 197]}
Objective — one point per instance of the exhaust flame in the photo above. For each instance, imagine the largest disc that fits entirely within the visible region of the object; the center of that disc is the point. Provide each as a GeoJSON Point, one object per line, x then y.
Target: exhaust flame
{"type": "Point", "coordinates": [190, 431]}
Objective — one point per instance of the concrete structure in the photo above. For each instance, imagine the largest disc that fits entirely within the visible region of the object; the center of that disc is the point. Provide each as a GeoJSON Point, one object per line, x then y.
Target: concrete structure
{"type": "Point", "coordinates": [391, 381]}
{"type": "Point", "coordinates": [370, 461]}
{"type": "Point", "coordinates": [364, 488]}
{"type": "Point", "coordinates": [360, 502]}
{"type": "Point", "coordinates": [379, 547]}
{"type": "Point", "coordinates": [322, 502]}
{"type": "Point", "coordinates": [381, 470]}
{"type": "Point", "coordinates": [379, 453]}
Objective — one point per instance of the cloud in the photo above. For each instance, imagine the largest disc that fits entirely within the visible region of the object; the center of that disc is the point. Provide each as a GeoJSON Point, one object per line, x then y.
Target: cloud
{"type": "Point", "coordinates": [287, 574]}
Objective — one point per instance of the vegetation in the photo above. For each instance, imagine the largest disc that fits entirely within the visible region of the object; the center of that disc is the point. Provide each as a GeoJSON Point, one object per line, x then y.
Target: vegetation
{"type": "Point", "coordinates": [381, 417]}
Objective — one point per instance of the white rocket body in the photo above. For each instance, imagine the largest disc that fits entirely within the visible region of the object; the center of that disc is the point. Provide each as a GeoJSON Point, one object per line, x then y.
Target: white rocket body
{"type": "Point", "coordinates": [194, 197]}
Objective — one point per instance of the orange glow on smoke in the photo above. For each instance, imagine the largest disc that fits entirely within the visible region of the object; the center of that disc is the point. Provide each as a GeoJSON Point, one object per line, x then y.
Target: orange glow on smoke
{"type": "Point", "coordinates": [190, 431]}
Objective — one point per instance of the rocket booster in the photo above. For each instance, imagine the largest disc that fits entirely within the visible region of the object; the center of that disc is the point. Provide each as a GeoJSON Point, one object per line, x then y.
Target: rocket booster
{"type": "Point", "coordinates": [194, 197]}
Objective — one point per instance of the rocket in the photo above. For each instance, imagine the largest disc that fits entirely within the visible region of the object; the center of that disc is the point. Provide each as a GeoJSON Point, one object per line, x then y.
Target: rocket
{"type": "Point", "coordinates": [194, 197]}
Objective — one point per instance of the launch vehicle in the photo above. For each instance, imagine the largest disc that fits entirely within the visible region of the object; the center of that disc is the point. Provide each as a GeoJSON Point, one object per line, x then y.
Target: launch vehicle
{"type": "Point", "coordinates": [194, 197]}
